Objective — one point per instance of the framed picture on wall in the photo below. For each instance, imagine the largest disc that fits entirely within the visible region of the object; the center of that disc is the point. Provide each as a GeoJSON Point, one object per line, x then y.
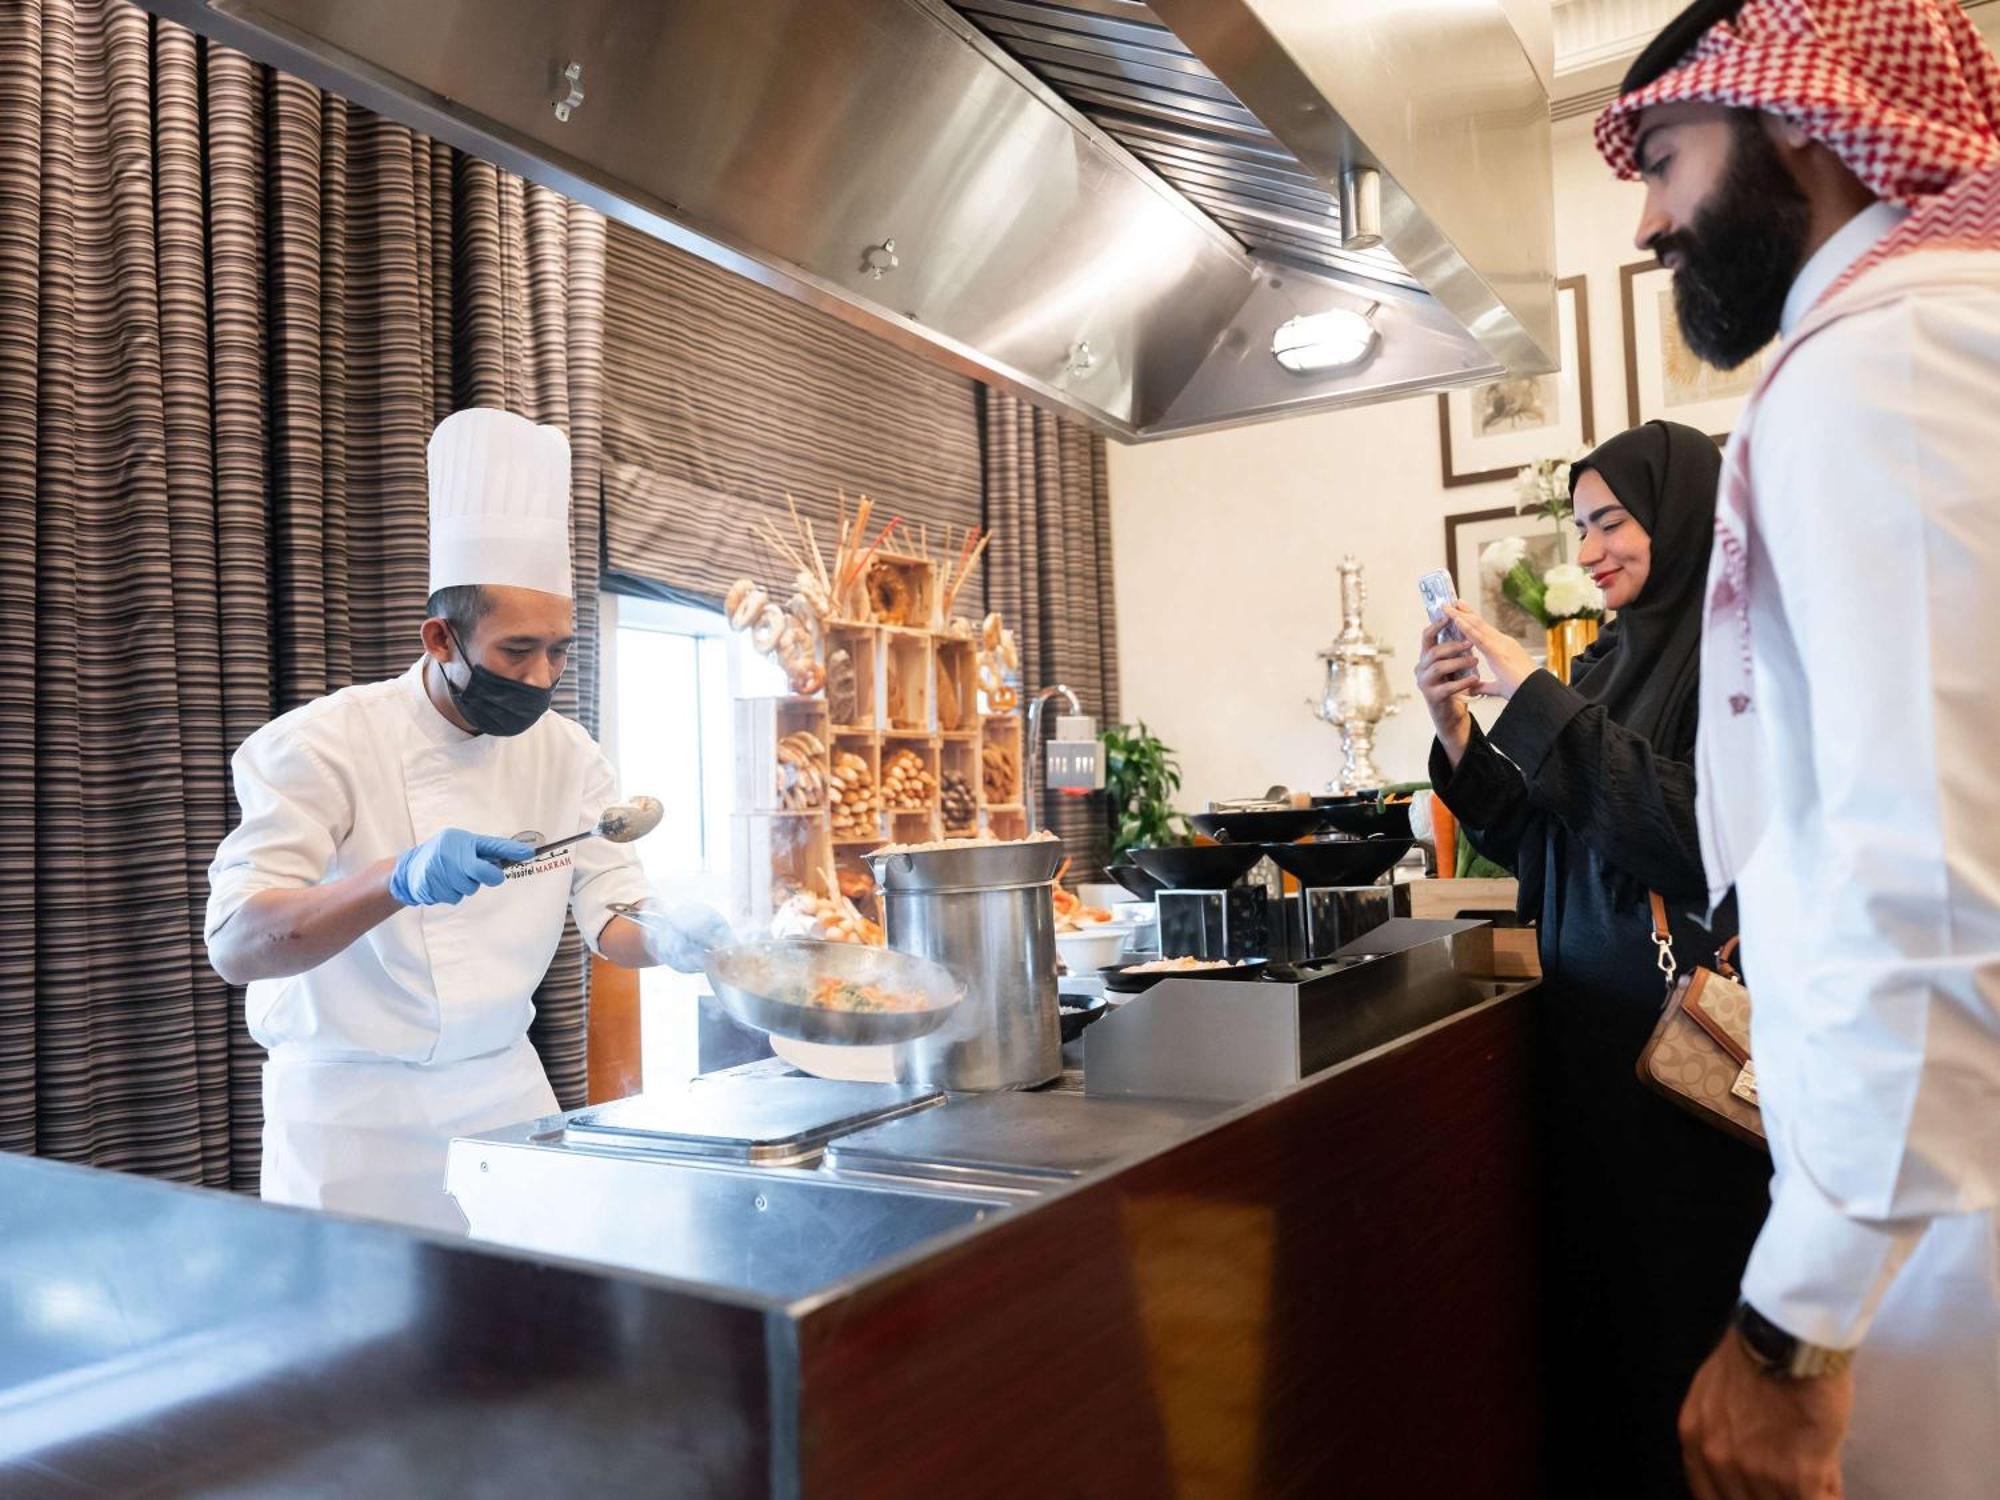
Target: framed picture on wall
{"type": "Point", "coordinates": [1467, 536]}
{"type": "Point", "coordinates": [1663, 378]}
{"type": "Point", "coordinates": [1489, 431]}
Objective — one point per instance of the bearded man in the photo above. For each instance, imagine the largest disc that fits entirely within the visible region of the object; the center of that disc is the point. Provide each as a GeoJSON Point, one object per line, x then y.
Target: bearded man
{"type": "Point", "coordinates": [1829, 171]}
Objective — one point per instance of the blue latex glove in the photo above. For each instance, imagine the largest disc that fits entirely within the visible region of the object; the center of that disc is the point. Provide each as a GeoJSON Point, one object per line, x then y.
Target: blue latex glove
{"type": "Point", "coordinates": [449, 866]}
{"type": "Point", "coordinates": [681, 933]}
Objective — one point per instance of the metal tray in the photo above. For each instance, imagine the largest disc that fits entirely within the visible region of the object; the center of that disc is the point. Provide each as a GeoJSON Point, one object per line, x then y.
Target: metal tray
{"type": "Point", "coordinates": [1027, 1140]}
{"type": "Point", "coordinates": [1120, 979]}
{"type": "Point", "coordinates": [769, 1122]}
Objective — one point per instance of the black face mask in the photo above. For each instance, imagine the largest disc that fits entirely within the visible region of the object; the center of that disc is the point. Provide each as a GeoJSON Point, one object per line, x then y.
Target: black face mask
{"type": "Point", "coordinates": [1741, 254]}
{"type": "Point", "coordinates": [493, 704]}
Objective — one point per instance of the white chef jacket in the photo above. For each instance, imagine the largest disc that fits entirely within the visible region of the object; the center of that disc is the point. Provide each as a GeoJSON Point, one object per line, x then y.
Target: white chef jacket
{"type": "Point", "coordinates": [1871, 905]}
{"type": "Point", "coordinates": [417, 1031]}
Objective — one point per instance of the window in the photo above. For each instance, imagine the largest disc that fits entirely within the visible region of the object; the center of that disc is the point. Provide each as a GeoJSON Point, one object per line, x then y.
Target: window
{"type": "Point", "coordinates": [672, 674]}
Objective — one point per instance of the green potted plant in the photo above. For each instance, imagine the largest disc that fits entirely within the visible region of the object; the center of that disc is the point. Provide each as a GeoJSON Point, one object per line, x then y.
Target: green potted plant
{"type": "Point", "coordinates": [1140, 779]}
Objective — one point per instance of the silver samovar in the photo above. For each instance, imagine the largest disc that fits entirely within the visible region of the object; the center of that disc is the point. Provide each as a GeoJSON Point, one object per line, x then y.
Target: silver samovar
{"type": "Point", "coordinates": [1357, 695]}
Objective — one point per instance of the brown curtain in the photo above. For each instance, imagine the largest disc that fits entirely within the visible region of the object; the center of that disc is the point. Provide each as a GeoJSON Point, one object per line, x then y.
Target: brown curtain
{"type": "Point", "coordinates": [725, 395]}
{"type": "Point", "coordinates": [1050, 577]}
{"type": "Point", "coordinates": [231, 310]}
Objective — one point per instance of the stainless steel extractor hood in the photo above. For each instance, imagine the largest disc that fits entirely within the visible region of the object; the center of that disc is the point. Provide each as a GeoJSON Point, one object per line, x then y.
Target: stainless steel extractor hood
{"type": "Point", "coordinates": [1108, 206]}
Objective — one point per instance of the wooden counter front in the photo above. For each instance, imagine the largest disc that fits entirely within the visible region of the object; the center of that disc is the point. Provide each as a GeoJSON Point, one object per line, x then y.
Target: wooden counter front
{"type": "Point", "coordinates": [1332, 1294]}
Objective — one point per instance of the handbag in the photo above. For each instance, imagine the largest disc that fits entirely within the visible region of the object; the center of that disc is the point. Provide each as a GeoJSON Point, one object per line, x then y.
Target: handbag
{"type": "Point", "coordinates": [1699, 1053]}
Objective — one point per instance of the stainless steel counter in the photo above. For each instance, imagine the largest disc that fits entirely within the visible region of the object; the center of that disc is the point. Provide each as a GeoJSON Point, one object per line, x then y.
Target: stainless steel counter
{"type": "Point", "coordinates": [761, 1181]}
{"type": "Point", "coordinates": [921, 1308]}
{"type": "Point", "coordinates": [674, 1206]}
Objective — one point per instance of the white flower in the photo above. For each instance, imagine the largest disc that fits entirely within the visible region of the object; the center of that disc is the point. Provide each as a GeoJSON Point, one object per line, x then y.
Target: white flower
{"type": "Point", "coordinates": [1568, 591]}
{"type": "Point", "coordinates": [1497, 559]}
{"type": "Point", "coordinates": [1528, 488]}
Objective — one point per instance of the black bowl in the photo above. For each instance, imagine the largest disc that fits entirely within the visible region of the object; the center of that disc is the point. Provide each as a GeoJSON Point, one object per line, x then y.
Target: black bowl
{"type": "Point", "coordinates": [1339, 862]}
{"type": "Point", "coordinates": [1273, 826]}
{"type": "Point", "coordinates": [1135, 880]}
{"type": "Point", "coordinates": [1198, 867]}
{"type": "Point", "coordinates": [1076, 1017]}
{"type": "Point", "coordinates": [1364, 817]}
{"type": "Point", "coordinates": [1120, 978]}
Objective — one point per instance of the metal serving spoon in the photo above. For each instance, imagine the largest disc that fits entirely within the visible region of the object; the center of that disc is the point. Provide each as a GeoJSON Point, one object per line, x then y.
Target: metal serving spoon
{"type": "Point", "coordinates": [621, 823]}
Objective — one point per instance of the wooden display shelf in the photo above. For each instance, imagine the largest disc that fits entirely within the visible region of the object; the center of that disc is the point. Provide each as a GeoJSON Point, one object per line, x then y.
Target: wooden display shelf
{"type": "Point", "coordinates": [1007, 822]}
{"type": "Point", "coordinates": [1003, 733]}
{"type": "Point", "coordinates": [919, 827]}
{"type": "Point", "coordinates": [957, 685]}
{"type": "Point", "coordinates": [861, 646]}
{"type": "Point", "coordinates": [909, 683]}
{"type": "Point", "coordinates": [927, 752]}
{"type": "Point", "coordinates": [959, 755]}
{"type": "Point", "coordinates": [912, 582]}
{"type": "Point", "coordinates": [774, 850]}
{"type": "Point", "coordinates": [868, 746]}
{"type": "Point", "coordinates": [762, 725]}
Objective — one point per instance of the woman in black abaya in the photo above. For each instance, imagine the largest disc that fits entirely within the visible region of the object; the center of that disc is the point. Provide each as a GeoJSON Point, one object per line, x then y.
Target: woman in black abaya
{"type": "Point", "coordinates": [1587, 793]}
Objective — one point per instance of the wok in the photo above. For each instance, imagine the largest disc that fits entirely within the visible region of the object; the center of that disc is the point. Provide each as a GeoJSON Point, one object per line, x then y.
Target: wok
{"type": "Point", "coordinates": [1135, 880]}
{"type": "Point", "coordinates": [1339, 862]}
{"type": "Point", "coordinates": [764, 985]}
{"type": "Point", "coordinates": [1269, 826]}
{"type": "Point", "coordinates": [1198, 867]}
{"type": "Point", "coordinates": [1364, 816]}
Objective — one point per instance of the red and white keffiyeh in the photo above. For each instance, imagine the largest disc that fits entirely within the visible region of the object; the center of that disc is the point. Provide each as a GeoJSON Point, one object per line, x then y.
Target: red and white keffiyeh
{"type": "Point", "coordinates": [1907, 94]}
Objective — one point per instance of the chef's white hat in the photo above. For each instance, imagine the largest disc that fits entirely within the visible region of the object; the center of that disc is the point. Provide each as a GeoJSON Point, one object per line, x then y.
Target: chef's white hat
{"type": "Point", "coordinates": [499, 502]}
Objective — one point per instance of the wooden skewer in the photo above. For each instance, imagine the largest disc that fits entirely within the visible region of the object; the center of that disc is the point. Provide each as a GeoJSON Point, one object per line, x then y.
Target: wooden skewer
{"type": "Point", "coordinates": [807, 543]}
{"type": "Point", "coordinates": [860, 534]}
{"type": "Point", "coordinates": [964, 572]}
{"type": "Point", "coordinates": [767, 532]}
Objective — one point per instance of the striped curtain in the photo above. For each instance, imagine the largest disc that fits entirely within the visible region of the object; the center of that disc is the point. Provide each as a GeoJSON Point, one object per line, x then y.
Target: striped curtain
{"type": "Point", "coordinates": [231, 309]}
{"type": "Point", "coordinates": [1050, 576]}
{"type": "Point", "coordinates": [726, 395]}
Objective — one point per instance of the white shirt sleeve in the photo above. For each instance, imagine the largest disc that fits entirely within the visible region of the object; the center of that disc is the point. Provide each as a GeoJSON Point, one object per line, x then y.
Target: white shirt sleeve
{"type": "Point", "coordinates": [603, 873]}
{"type": "Point", "coordinates": [1879, 514]}
{"type": "Point", "coordinates": [295, 813]}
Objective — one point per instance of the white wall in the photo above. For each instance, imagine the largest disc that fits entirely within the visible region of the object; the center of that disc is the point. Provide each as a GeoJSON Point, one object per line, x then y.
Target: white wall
{"type": "Point", "coordinates": [1227, 543]}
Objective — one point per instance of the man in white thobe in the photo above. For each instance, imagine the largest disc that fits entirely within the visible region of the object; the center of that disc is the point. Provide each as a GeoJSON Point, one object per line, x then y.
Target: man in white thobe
{"type": "Point", "coordinates": [1829, 170]}
{"type": "Point", "coordinates": [379, 897]}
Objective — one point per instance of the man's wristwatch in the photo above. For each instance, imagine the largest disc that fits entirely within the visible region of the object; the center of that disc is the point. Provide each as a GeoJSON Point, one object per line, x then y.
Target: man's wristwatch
{"type": "Point", "coordinates": [1777, 1353]}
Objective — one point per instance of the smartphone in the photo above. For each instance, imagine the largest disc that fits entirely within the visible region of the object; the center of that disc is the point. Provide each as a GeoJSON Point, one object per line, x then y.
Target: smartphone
{"type": "Point", "coordinates": [1438, 592]}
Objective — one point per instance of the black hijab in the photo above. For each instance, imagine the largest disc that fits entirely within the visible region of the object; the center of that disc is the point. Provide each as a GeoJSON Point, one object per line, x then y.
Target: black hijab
{"type": "Point", "coordinates": [1646, 666]}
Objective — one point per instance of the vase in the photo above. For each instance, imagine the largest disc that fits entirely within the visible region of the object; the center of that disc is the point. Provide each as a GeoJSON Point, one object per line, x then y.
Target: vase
{"type": "Point", "coordinates": [1569, 639]}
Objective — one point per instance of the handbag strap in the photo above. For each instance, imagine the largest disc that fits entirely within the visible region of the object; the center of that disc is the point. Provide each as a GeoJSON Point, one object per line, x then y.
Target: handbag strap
{"type": "Point", "coordinates": [1722, 956]}
{"type": "Point", "coordinates": [1663, 939]}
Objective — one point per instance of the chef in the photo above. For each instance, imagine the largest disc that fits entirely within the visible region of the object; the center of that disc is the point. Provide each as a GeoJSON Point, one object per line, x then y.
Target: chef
{"type": "Point", "coordinates": [380, 899]}
{"type": "Point", "coordinates": [1829, 171]}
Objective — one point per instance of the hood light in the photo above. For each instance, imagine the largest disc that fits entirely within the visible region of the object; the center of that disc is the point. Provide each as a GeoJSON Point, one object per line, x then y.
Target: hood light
{"type": "Point", "coordinates": [1319, 343]}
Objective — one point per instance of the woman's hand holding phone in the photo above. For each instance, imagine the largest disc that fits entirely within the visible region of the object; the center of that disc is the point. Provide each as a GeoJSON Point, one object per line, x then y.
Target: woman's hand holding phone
{"type": "Point", "coordinates": [1447, 674]}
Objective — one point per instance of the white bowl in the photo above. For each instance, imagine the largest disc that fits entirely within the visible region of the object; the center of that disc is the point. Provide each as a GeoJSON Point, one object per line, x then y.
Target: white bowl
{"type": "Point", "coordinates": [1092, 948]}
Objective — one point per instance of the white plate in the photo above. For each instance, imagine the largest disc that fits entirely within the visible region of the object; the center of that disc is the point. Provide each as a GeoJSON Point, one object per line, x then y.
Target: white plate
{"type": "Point", "coordinates": [848, 1064]}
